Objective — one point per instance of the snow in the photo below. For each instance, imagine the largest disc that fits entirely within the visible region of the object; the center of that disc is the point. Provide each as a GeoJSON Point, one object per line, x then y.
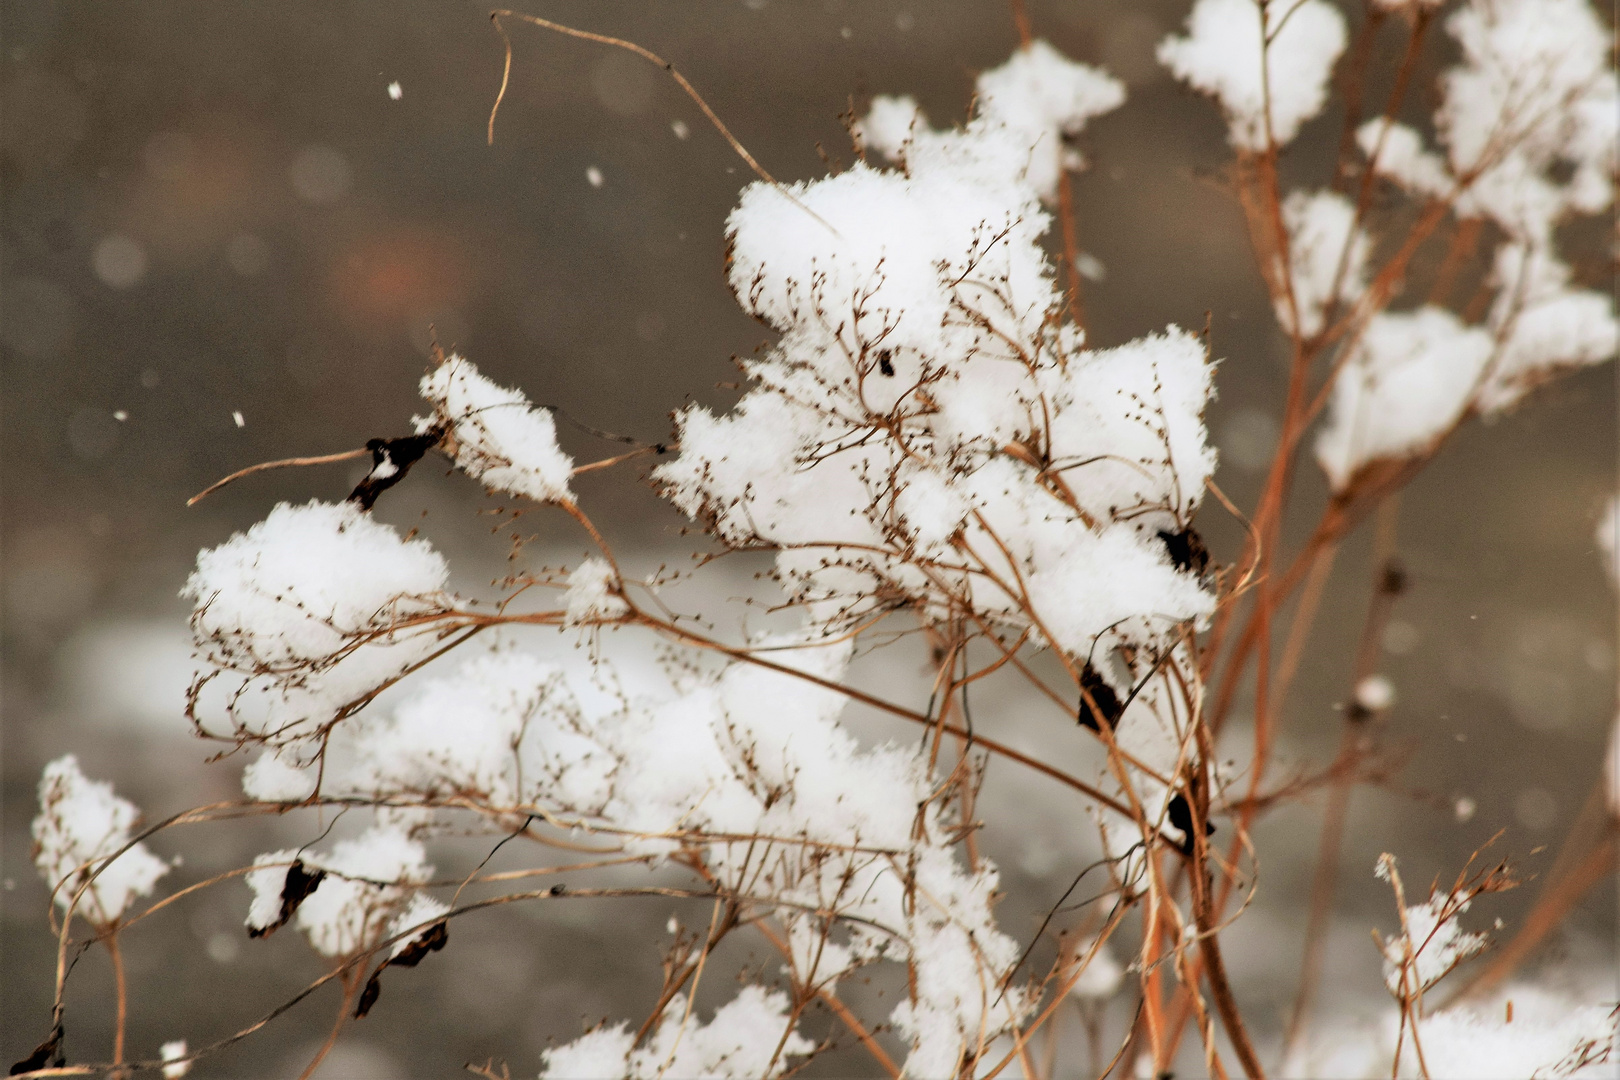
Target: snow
{"type": "Point", "coordinates": [368, 892]}
{"type": "Point", "coordinates": [266, 881]}
{"type": "Point", "coordinates": [1550, 1034]}
{"type": "Point", "coordinates": [271, 777]}
{"type": "Point", "coordinates": [171, 1053]}
{"type": "Point", "coordinates": [496, 731]}
{"type": "Point", "coordinates": [889, 124]}
{"type": "Point", "coordinates": [1436, 941]}
{"type": "Point", "coordinates": [1026, 109]}
{"type": "Point", "coordinates": [419, 914]}
{"type": "Point", "coordinates": [924, 296]}
{"type": "Point", "coordinates": [1327, 256]}
{"type": "Point", "coordinates": [1102, 975]}
{"type": "Point", "coordinates": [930, 440]}
{"type": "Point", "coordinates": [603, 1052]}
{"type": "Point", "coordinates": [1375, 693]}
{"type": "Point", "coordinates": [369, 882]}
{"type": "Point", "coordinates": [1401, 157]}
{"type": "Point", "coordinates": [1542, 323]}
{"type": "Point", "coordinates": [1534, 88]}
{"type": "Point", "coordinates": [1221, 56]}
{"type": "Point", "coordinates": [497, 436]}
{"type": "Point", "coordinates": [80, 823]}
{"type": "Point", "coordinates": [1410, 381]}
{"type": "Point", "coordinates": [1039, 96]}
{"type": "Point", "coordinates": [301, 615]}
{"type": "Point", "coordinates": [1544, 1039]}
{"type": "Point", "coordinates": [593, 594]}
{"type": "Point", "coordinates": [744, 1041]}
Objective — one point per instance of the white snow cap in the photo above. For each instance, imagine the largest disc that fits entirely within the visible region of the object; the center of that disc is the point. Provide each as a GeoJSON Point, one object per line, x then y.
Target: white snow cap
{"type": "Point", "coordinates": [1327, 255]}
{"type": "Point", "coordinates": [922, 357]}
{"type": "Point", "coordinates": [1409, 382]}
{"type": "Point", "coordinates": [1541, 324]}
{"type": "Point", "coordinates": [368, 892]}
{"type": "Point", "coordinates": [274, 777]}
{"type": "Point", "coordinates": [81, 822]}
{"type": "Point", "coordinates": [1526, 119]}
{"type": "Point", "coordinates": [299, 610]}
{"type": "Point", "coordinates": [1040, 96]}
{"type": "Point", "coordinates": [1401, 157]}
{"type": "Point", "coordinates": [1222, 56]}
{"type": "Point", "coordinates": [1534, 89]}
{"type": "Point", "coordinates": [266, 881]}
{"type": "Point", "coordinates": [889, 124]}
{"type": "Point", "coordinates": [593, 595]}
{"type": "Point", "coordinates": [1026, 107]}
{"type": "Point", "coordinates": [500, 438]}
{"type": "Point", "coordinates": [502, 730]}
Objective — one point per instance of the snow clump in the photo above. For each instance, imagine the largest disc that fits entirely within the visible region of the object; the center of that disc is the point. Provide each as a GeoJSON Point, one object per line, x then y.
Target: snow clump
{"type": "Point", "coordinates": [80, 824]}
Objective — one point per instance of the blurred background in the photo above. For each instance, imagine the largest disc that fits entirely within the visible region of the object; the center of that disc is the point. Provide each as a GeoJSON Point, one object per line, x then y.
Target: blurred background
{"type": "Point", "coordinates": [228, 228]}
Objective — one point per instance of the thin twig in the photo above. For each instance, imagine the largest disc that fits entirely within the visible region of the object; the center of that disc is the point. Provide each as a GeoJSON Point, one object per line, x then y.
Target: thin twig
{"type": "Point", "coordinates": [653, 58]}
{"type": "Point", "coordinates": [324, 459]}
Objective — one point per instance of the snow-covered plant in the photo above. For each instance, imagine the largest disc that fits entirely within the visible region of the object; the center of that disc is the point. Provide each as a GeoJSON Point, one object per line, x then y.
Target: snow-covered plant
{"type": "Point", "coordinates": [1548, 1039]}
{"type": "Point", "coordinates": [931, 449]}
{"type": "Point", "coordinates": [83, 848]}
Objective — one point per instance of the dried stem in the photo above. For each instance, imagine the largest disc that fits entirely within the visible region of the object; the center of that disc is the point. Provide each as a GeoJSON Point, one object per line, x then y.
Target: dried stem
{"type": "Point", "coordinates": [351, 980]}
{"type": "Point", "coordinates": [324, 459]}
{"type": "Point", "coordinates": [116, 954]}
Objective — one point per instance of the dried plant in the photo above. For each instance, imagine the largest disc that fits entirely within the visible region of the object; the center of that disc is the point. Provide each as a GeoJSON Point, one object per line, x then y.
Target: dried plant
{"type": "Point", "coordinates": [931, 450]}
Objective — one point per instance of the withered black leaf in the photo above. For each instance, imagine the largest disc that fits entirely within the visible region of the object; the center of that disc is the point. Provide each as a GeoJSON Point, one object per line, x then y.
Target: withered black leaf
{"type": "Point", "coordinates": [1181, 818]}
{"type": "Point", "coordinates": [369, 996]}
{"type": "Point", "coordinates": [46, 1053]}
{"type": "Point", "coordinates": [391, 459]}
{"type": "Point", "coordinates": [431, 940]}
{"type": "Point", "coordinates": [294, 891]}
{"type": "Point", "coordinates": [1187, 550]}
{"type": "Point", "coordinates": [1098, 702]}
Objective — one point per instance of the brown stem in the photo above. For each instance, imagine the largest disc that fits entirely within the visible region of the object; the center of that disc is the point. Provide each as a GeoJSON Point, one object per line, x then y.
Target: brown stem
{"type": "Point", "coordinates": [1353, 83]}
{"type": "Point", "coordinates": [1020, 17]}
{"type": "Point", "coordinates": [851, 1021]}
{"type": "Point", "coordinates": [351, 983]}
{"type": "Point", "coordinates": [1323, 886]}
{"type": "Point", "coordinates": [284, 463]}
{"type": "Point", "coordinates": [1220, 988]}
{"type": "Point", "coordinates": [1387, 585]}
{"type": "Point", "coordinates": [1464, 242]}
{"type": "Point", "coordinates": [652, 58]}
{"type": "Point", "coordinates": [1071, 247]}
{"type": "Point", "coordinates": [117, 956]}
